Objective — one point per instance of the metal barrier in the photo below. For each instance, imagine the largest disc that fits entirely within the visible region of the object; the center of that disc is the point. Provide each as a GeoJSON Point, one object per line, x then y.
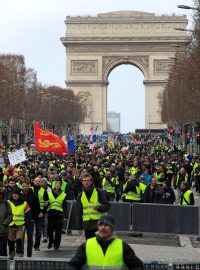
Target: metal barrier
{"type": "Point", "coordinates": [153, 218]}
{"type": "Point", "coordinates": [122, 215]}
{"type": "Point", "coordinates": [41, 264]}
{"type": "Point", "coordinates": [4, 263]}
{"type": "Point", "coordinates": [62, 264]}
{"type": "Point", "coordinates": [157, 266]}
{"type": "Point", "coordinates": [164, 218]}
{"type": "Point", "coordinates": [71, 207]}
{"type": "Point", "coordinates": [187, 266]}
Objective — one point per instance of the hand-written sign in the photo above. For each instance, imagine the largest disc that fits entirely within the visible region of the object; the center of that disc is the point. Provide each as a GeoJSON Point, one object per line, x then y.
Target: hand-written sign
{"type": "Point", "coordinates": [17, 157]}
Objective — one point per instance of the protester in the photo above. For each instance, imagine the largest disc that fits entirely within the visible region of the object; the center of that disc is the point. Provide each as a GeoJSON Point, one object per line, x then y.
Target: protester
{"type": "Point", "coordinates": [186, 196]}
{"type": "Point", "coordinates": [92, 204]}
{"type": "Point", "coordinates": [32, 199]}
{"type": "Point", "coordinates": [5, 220]}
{"type": "Point", "coordinates": [21, 215]}
{"type": "Point", "coordinates": [113, 253]}
{"type": "Point", "coordinates": [153, 192]}
{"type": "Point", "coordinates": [168, 195]}
{"type": "Point", "coordinates": [57, 212]}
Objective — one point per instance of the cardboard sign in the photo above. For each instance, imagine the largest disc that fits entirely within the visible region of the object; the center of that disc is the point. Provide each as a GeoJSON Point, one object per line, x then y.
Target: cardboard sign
{"type": "Point", "coordinates": [17, 157]}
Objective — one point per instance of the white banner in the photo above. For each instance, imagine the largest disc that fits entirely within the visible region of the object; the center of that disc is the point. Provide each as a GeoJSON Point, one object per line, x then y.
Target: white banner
{"type": "Point", "coordinates": [17, 157]}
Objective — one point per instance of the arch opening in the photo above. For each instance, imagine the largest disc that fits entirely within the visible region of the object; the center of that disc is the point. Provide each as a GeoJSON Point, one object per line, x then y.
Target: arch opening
{"type": "Point", "coordinates": [126, 95]}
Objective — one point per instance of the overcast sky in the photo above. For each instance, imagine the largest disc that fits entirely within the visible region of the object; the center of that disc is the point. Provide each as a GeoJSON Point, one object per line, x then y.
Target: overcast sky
{"type": "Point", "coordinates": [34, 27]}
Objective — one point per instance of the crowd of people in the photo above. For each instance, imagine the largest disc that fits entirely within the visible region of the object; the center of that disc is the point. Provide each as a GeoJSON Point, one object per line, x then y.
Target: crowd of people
{"type": "Point", "coordinates": [34, 194]}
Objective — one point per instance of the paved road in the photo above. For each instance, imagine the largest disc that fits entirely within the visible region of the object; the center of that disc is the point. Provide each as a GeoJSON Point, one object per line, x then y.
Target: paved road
{"type": "Point", "coordinates": [165, 249]}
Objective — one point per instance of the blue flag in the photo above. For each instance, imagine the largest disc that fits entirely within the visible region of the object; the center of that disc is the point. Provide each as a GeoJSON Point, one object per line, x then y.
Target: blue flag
{"type": "Point", "coordinates": [94, 138]}
{"type": "Point", "coordinates": [71, 147]}
{"type": "Point", "coordinates": [68, 137]}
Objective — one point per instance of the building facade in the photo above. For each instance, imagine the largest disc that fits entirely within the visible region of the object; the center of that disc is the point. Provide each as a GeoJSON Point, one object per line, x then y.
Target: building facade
{"type": "Point", "coordinates": [113, 121]}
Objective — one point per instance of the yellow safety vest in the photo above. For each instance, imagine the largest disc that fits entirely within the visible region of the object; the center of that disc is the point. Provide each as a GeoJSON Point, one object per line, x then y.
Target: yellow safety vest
{"type": "Point", "coordinates": [134, 196]}
{"type": "Point", "coordinates": [185, 179]}
{"type": "Point", "coordinates": [18, 214]}
{"type": "Point", "coordinates": [142, 187]}
{"type": "Point", "coordinates": [56, 203]}
{"type": "Point", "coordinates": [107, 186]}
{"type": "Point", "coordinates": [133, 170]}
{"type": "Point", "coordinates": [41, 197]}
{"type": "Point", "coordinates": [112, 259]}
{"type": "Point", "coordinates": [186, 198]}
{"type": "Point", "coordinates": [160, 177]}
{"type": "Point", "coordinates": [89, 213]}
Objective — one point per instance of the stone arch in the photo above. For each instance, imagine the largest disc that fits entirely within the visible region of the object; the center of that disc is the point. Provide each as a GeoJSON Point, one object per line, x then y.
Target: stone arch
{"type": "Point", "coordinates": [95, 45]}
{"type": "Point", "coordinates": [110, 63]}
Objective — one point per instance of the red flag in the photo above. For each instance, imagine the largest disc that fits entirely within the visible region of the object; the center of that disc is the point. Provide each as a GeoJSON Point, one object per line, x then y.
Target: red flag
{"type": "Point", "coordinates": [46, 141]}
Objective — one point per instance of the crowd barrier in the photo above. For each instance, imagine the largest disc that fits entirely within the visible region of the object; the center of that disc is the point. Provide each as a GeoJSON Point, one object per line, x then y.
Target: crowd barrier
{"type": "Point", "coordinates": [4, 263]}
{"type": "Point", "coordinates": [62, 264]}
{"type": "Point", "coordinates": [152, 218]}
{"type": "Point", "coordinates": [41, 264]}
{"type": "Point", "coordinates": [160, 218]}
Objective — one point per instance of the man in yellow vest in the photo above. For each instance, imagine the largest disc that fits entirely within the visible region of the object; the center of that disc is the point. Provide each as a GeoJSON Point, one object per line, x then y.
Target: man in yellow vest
{"type": "Point", "coordinates": [104, 251]}
{"type": "Point", "coordinates": [187, 196]}
{"type": "Point", "coordinates": [57, 213]}
{"type": "Point", "coordinates": [92, 204]}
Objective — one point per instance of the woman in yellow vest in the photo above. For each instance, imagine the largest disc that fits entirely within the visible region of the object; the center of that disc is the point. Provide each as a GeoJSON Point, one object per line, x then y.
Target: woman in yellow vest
{"type": "Point", "coordinates": [21, 214]}
{"type": "Point", "coordinates": [104, 251]}
{"type": "Point", "coordinates": [57, 213]}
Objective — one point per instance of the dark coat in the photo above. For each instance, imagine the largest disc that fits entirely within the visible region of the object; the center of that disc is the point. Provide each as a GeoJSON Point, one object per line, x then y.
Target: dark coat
{"type": "Point", "coordinates": [152, 195]}
{"type": "Point", "coordinates": [168, 196]}
{"type": "Point", "coordinates": [32, 199]}
{"type": "Point", "coordinates": [103, 208]}
{"type": "Point", "coordinates": [5, 217]}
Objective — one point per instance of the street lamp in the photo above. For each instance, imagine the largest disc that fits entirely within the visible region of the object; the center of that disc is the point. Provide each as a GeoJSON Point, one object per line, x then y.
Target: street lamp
{"type": "Point", "coordinates": [188, 7]}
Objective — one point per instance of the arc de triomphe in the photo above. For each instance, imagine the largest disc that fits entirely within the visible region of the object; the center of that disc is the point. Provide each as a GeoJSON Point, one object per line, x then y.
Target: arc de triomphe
{"type": "Point", "coordinates": [96, 45]}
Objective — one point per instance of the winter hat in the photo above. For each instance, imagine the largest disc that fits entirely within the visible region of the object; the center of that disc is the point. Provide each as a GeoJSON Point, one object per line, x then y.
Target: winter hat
{"type": "Point", "coordinates": [108, 220]}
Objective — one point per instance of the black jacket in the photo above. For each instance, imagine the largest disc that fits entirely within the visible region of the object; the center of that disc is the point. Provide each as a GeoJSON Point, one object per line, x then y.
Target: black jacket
{"type": "Point", "coordinates": [103, 208]}
{"type": "Point", "coordinates": [45, 197]}
{"type": "Point", "coordinates": [168, 196]}
{"type": "Point", "coordinates": [129, 257]}
{"type": "Point", "coordinates": [152, 195]}
{"type": "Point", "coordinates": [32, 199]}
{"type": "Point", "coordinates": [5, 217]}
